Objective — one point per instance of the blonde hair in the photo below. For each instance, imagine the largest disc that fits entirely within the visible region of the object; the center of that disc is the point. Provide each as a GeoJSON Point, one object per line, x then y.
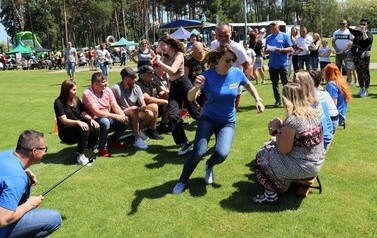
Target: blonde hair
{"type": "Point", "coordinates": [305, 80]}
{"type": "Point", "coordinates": [296, 103]}
{"type": "Point", "coordinates": [332, 73]}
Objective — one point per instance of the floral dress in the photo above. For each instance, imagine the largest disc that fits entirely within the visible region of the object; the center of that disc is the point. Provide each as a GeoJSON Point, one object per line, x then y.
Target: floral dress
{"type": "Point", "coordinates": [275, 170]}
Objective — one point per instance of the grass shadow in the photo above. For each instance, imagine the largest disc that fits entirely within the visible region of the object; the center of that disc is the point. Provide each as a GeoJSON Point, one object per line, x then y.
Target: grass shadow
{"type": "Point", "coordinates": [241, 199]}
{"type": "Point", "coordinates": [164, 156]}
{"type": "Point", "coordinates": [66, 156]}
{"type": "Point", "coordinates": [196, 187]}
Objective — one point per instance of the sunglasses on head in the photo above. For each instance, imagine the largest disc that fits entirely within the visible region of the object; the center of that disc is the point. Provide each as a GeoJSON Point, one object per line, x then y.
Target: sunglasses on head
{"type": "Point", "coordinates": [229, 59]}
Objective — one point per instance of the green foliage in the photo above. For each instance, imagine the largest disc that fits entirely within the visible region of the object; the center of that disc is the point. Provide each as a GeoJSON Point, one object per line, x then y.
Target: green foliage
{"type": "Point", "coordinates": [129, 195]}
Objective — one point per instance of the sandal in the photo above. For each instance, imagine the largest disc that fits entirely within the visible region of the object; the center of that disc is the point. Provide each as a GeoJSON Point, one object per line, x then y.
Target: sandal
{"type": "Point", "coordinates": [266, 198]}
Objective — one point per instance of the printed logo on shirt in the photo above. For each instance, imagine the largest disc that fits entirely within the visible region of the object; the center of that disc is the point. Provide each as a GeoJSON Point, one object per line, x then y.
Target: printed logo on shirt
{"type": "Point", "coordinates": [233, 85]}
{"type": "Point", "coordinates": [342, 37]}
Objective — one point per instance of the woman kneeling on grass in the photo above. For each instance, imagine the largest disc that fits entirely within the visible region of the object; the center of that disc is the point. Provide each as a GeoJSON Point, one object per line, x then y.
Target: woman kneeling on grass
{"type": "Point", "coordinates": [220, 84]}
{"type": "Point", "coordinates": [74, 124]}
{"type": "Point", "coordinates": [296, 152]}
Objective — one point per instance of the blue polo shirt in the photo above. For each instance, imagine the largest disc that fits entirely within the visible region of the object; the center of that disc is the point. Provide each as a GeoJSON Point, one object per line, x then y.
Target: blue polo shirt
{"type": "Point", "coordinates": [221, 92]}
{"type": "Point", "coordinates": [280, 40]}
{"type": "Point", "coordinates": [14, 188]}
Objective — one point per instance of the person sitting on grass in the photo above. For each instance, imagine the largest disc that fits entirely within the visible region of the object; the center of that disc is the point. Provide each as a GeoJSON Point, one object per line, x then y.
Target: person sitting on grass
{"type": "Point", "coordinates": [338, 89]}
{"type": "Point", "coordinates": [98, 99]}
{"type": "Point", "coordinates": [155, 97]}
{"type": "Point", "coordinates": [19, 213]}
{"type": "Point", "coordinates": [296, 150]}
{"type": "Point", "coordinates": [74, 124]}
{"type": "Point", "coordinates": [131, 100]}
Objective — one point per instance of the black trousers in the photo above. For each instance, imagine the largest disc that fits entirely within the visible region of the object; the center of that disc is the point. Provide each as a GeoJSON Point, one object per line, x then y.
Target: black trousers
{"type": "Point", "coordinates": [362, 69]}
{"type": "Point", "coordinates": [84, 139]}
{"type": "Point", "coordinates": [178, 93]}
{"type": "Point", "coordinates": [274, 75]}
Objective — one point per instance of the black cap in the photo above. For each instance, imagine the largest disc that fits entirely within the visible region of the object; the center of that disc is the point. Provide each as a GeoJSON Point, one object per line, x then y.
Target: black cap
{"type": "Point", "coordinates": [145, 69]}
{"type": "Point", "coordinates": [128, 72]}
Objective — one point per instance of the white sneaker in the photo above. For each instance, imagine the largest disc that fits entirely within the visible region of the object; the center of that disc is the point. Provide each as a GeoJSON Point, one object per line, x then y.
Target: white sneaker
{"type": "Point", "coordinates": [139, 143]}
{"type": "Point", "coordinates": [179, 187]}
{"type": "Point", "coordinates": [143, 134]}
{"type": "Point", "coordinates": [364, 94]}
{"type": "Point", "coordinates": [82, 160]}
{"type": "Point", "coordinates": [361, 91]}
{"type": "Point", "coordinates": [209, 175]}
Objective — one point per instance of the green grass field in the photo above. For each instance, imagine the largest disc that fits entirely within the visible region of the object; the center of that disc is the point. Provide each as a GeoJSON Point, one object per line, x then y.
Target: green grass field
{"type": "Point", "coordinates": [129, 195]}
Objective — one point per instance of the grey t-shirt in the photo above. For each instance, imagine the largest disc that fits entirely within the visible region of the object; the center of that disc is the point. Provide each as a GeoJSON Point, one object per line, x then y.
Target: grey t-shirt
{"type": "Point", "coordinates": [127, 98]}
{"type": "Point", "coordinates": [70, 55]}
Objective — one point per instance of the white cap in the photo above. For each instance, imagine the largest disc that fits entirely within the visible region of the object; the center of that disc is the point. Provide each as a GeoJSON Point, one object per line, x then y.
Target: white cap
{"type": "Point", "coordinates": [263, 30]}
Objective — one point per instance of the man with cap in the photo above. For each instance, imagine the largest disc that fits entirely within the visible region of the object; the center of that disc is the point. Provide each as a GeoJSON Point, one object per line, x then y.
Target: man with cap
{"type": "Point", "coordinates": [278, 45]}
{"type": "Point", "coordinates": [155, 98]}
{"type": "Point", "coordinates": [131, 100]}
{"type": "Point", "coordinates": [97, 99]}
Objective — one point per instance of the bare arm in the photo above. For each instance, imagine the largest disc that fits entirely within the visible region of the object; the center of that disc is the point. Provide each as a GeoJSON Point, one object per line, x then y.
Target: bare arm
{"type": "Point", "coordinates": [254, 93]}
{"type": "Point", "coordinates": [174, 67]}
{"type": "Point", "coordinates": [133, 55]}
{"type": "Point", "coordinates": [149, 99]}
{"type": "Point", "coordinates": [284, 139]}
{"type": "Point", "coordinates": [194, 92]}
{"type": "Point", "coordinates": [8, 217]}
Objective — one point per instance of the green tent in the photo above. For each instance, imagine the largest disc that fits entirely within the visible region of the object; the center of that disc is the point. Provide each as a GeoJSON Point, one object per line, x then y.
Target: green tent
{"type": "Point", "coordinates": [195, 31]}
{"type": "Point", "coordinates": [20, 49]}
{"type": "Point", "coordinates": [123, 42]}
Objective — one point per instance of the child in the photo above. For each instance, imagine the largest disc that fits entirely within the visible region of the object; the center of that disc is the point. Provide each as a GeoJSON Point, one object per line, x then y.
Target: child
{"type": "Point", "coordinates": [351, 72]}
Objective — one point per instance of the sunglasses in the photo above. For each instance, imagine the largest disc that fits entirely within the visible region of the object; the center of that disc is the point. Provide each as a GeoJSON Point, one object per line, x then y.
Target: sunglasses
{"type": "Point", "coordinates": [229, 59]}
{"type": "Point", "coordinates": [342, 24]}
{"type": "Point", "coordinates": [362, 24]}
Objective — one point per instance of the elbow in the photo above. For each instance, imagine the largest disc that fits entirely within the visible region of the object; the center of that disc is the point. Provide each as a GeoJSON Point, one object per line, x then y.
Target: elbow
{"type": "Point", "coordinates": [3, 222]}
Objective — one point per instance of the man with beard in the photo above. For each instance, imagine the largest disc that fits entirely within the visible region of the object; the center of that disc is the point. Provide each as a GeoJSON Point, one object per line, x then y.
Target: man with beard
{"type": "Point", "coordinates": [131, 99]}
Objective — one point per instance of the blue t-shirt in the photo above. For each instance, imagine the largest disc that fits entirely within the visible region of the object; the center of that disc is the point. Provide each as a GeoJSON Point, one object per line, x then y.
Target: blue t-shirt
{"type": "Point", "coordinates": [14, 189]}
{"type": "Point", "coordinates": [341, 105]}
{"type": "Point", "coordinates": [221, 92]}
{"type": "Point", "coordinates": [324, 114]}
{"type": "Point", "coordinates": [280, 40]}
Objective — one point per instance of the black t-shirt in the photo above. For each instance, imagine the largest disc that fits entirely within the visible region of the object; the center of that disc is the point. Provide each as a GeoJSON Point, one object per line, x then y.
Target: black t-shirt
{"type": "Point", "coordinates": [73, 113]}
{"type": "Point", "coordinates": [257, 47]}
{"type": "Point", "coordinates": [196, 68]}
{"type": "Point", "coordinates": [152, 90]}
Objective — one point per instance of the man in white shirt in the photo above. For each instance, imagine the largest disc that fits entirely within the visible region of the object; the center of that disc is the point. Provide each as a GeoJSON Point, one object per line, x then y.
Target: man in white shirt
{"type": "Point", "coordinates": [342, 42]}
{"type": "Point", "coordinates": [302, 44]}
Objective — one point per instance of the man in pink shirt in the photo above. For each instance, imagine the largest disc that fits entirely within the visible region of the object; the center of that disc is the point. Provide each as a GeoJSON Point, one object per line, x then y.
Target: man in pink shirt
{"type": "Point", "coordinates": [98, 99]}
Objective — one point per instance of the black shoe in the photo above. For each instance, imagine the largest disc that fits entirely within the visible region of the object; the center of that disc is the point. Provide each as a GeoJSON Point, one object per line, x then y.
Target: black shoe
{"type": "Point", "coordinates": [163, 128]}
{"type": "Point", "coordinates": [277, 103]}
{"type": "Point", "coordinates": [153, 134]}
{"type": "Point", "coordinates": [185, 148]}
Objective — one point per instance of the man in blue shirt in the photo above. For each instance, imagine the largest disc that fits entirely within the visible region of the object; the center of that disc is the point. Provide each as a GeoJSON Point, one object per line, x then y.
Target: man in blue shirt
{"type": "Point", "coordinates": [278, 45]}
{"type": "Point", "coordinates": [18, 214]}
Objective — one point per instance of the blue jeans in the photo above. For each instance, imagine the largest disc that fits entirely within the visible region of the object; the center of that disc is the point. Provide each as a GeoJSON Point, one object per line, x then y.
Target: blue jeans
{"type": "Point", "coordinates": [36, 223]}
{"type": "Point", "coordinates": [314, 63]}
{"type": "Point", "coordinates": [304, 59]}
{"type": "Point", "coordinates": [70, 67]}
{"type": "Point", "coordinates": [206, 128]}
{"type": "Point", "coordinates": [108, 125]}
{"type": "Point", "coordinates": [104, 68]}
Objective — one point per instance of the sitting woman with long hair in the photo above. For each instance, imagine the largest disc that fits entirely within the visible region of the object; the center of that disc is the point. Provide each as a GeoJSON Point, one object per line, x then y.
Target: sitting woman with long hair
{"type": "Point", "coordinates": [338, 90]}
{"type": "Point", "coordinates": [74, 124]}
{"type": "Point", "coordinates": [297, 150]}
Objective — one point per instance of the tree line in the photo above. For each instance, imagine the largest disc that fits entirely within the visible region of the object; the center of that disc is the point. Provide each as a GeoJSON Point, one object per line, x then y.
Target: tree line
{"type": "Point", "coordinates": [89, 22]}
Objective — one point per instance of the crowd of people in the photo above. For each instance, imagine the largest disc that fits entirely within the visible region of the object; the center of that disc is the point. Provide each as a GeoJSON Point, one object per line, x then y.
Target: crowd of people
{"type": "Point", "coordinates": [209, 83]}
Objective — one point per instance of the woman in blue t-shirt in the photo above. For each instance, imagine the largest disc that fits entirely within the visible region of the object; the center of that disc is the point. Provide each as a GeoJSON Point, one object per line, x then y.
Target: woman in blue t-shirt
{"type": "Point", "coordinates": [220, 84]}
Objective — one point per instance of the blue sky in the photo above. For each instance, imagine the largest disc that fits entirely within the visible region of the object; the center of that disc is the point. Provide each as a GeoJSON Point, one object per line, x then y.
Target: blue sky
{"type": "Point", "coordinates": [3, 34]}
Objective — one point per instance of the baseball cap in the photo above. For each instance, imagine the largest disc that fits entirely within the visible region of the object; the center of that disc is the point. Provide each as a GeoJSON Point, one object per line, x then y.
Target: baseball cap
{"type": "Point", "coordinates": [128, 72]}
{"type": "Point", "coordinates": [264, 29]}
{"type": "Point", "coordinates": [145, 69]}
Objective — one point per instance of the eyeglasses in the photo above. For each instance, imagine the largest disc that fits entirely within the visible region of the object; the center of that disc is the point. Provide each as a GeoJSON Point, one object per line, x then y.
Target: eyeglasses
{"type": "Point", "coordinates": [228, 59]}
{"type": "Point", "coordinates": [43, 148]}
